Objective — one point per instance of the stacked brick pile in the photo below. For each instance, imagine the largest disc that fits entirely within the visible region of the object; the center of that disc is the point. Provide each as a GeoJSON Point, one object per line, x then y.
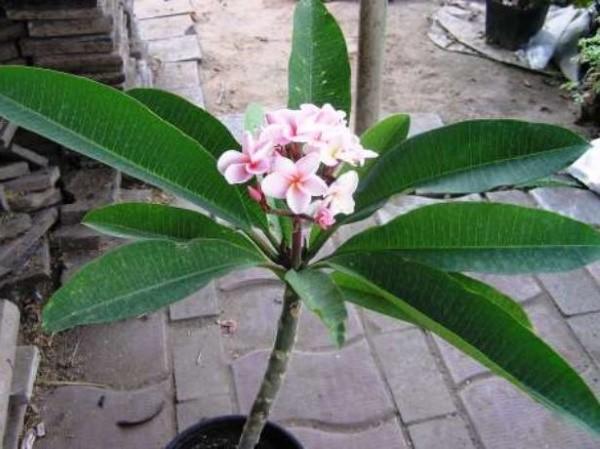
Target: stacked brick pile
{"type": "Point", "coordinates": [92, 38]}
{"type": "Point", "coordinates": [28, 196]}
{"type": "Point", "coordinates": [10, 33]}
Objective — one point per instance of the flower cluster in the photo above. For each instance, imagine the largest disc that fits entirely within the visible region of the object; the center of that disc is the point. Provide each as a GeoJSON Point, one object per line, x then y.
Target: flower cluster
{"type": "Point", "coordinates": [295, 156]}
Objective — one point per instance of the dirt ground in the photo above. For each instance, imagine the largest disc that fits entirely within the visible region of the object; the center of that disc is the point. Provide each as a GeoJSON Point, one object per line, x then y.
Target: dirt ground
{"type": "Point", "coordinates": [246, 45]}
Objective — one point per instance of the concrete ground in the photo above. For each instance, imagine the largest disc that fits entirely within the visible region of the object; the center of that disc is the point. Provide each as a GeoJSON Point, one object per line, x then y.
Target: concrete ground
{"type": "Point", "coordinates": [392, 386]}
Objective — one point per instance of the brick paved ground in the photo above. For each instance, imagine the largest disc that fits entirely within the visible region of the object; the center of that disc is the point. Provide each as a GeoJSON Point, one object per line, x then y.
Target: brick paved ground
{"type": "Point", "coordinates": [392, 386]}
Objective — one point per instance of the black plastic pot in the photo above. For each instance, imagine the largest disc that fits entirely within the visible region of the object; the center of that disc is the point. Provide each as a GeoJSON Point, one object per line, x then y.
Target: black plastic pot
{"type": "Point", "coordinates": [511, 27]}
{"type": "Point", "coordinates": [273, 437]}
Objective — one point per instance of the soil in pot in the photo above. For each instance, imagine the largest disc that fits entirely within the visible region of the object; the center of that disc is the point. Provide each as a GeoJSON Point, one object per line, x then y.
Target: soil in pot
{"type": "Point", "coordinates": [510, 24]}
{"type": "Point", "coordinates": [224, 433]}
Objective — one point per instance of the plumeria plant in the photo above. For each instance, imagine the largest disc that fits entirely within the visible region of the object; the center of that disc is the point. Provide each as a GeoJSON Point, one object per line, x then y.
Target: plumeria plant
{"type": "Point", "coordinates": [300, 175]}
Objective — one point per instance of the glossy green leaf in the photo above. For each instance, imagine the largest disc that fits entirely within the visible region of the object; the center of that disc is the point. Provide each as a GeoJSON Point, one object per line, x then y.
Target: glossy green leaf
{"type": "Point", "coordinates": [478, 327]}
{"type": "Point", "coordinates": [472, 156]}
{"type": "Point", "coordinates": [364, 294]}
{"type": "Point", "coordinates": [112, 127]}
{"type": "Point", "coordinates": [484, 290]}
{"type": "Point", "coordinates": [140, 278]}
{"type": "Point", "coordinates": [156, 221]}
{"type": "Point", "coordinates": [386, 134]}
{"type": "Point", "coordinates": [254, 117]}
{"type": "Point", "coordinates": [484, 237]}
{"type": "Point", "coordinates": [319, 70]}
{"type": "Point", "coordinates": [206, 129]}
{"type": "Point", "coordinates": [322, 296]}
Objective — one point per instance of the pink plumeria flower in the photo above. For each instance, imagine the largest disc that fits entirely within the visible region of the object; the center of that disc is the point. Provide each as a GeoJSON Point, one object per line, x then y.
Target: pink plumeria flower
{"type": "Point", "coordinates": [254, 159]}
{"type": "Point", "coordinates": [285, 126]}
{"type": "Point", "coordinates": [296, 182]}
{"type": "Point", "coordinates": [325, 116]}
{"type": "Point", "coordinates": [334, 146]}
{"type": "Point", "coordinates": [339, 197]}
{"type": "Point", "coordinates": [323, 216]}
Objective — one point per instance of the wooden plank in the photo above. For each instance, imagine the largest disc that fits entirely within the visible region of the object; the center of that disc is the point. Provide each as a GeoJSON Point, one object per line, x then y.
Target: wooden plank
{"type": "Point", "coordinates": [145, 9]}
{"type": "Point", "coordinates": [184, 48]}
{"type": "Point", "coordinates": [165, 27]}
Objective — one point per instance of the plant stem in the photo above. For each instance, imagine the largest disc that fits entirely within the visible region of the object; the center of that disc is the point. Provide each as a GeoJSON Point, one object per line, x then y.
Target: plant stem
{"type": "Point", "coordinates": [280, 355]}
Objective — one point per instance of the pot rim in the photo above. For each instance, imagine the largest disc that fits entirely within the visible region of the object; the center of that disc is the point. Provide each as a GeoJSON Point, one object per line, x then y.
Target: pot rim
{"type": "Point", "coordinates": [223, 419]}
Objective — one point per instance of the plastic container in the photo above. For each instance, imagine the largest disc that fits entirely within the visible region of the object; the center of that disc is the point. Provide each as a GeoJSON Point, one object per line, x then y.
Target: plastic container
{"type": "Point", "coordinates": [273, 436]}
{"type": "Point", "coordinates": [511, 27]}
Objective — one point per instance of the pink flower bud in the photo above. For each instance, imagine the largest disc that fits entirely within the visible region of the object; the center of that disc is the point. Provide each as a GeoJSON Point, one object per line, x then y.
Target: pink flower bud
{"type": "Point", "coordinates": [256, 194]}
{"type": "Point", "coordinates": [323, 217]}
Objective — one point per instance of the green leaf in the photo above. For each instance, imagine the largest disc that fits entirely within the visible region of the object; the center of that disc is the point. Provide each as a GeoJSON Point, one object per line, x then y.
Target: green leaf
{"type": "Point", "coordinates": [483, 237]}
{"type": "Point", "coordinates": [319, 70]}
{"type": "Point", "coordinates": [140, 278]}
{"type": "Point", "coordinates": [469, 157]}
{"type": "Point", "coordinates": [484, 290]}
{"type": "Point", "coordinates": [386, 134]}
{"type": "Point", "coordinates": [206, 129]}
{"type": "Point", "coordinates": [112, 127]}
{"type": "Point", "coordinates": [323, 297]}
{"type": "Point", "coordinates": [363, 294]}
{"type": "Point", "coordinates": [254, 117]}
{"type": "Point", "coordinates": [478, 327]}
{"type": "Point", "coordinates": [156, 221]}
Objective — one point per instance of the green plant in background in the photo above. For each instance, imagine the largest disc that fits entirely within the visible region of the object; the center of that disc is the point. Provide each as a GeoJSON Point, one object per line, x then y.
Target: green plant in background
{"type": "Point", "coordinates": [408, 269]}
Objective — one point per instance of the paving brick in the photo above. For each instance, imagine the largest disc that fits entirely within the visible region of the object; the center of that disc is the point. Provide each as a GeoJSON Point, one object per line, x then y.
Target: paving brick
{"type": "Point", "coordinates": [26, 365]}
{"type": "Point", "coordinates": [38, 180]}
{"type": "Point", "coordinates": [33, 278]}
{"type": "Point", "coordinates": [411, 371]}
{"type": "Point", "coordinates": [200, 304]}
{"type": "Point", "coordinates": [160, 8]}
{"type": "Point", "coordinates": [586, 169]}
{"type": "Point", "coordinates": [182, 48]}
{"type": "Point", "coordinates": [198, 361]}
{"type": "Point", "coordinates": [193, 94]}
{"type": "Point", "coordinates": [385, 436]}
{"type": "Point", "coordinates": [594, 269]}
{"type": "Point", "coordinates": [12, 225]}
{"type": "Point", "coordinates": [73, 27]}
{"type": "Point", "coordinates": [256, 310]}
{"type": "Point", "coordinates": [28, 155]}
{"type": "Point", "coordinates": [579, 204]}
{"type": "Point", "coordinates": [9, 328]}
{"type": "Point", "coordinates": [587, 329]}
{"type": "Point", "coordinates": [402, 204]}
{"type": "Point", "coordinates": [553, 329]}
{"type": "Point", "coordinates": [377, 323]}
{"type": "Point", "coordinates": [14, 253]}
{"type": "Point", "coordinates": [518, 287]}
{"type": "Point", "coordinates": [243, 279]}
{"type": "Point", "coordinates": [506, 418]}
{"type": "Point", "coordinates": [78, 238]}
{"type": "Point", "coordinates": [30, 202]}
{"type": "Point", "coordinates": [324, 387]}
{"type": "Point", "coordinates": [574, 291]}
{"type": "Point", "coordinates": [347, 231]}
{"type": "Point", "coordinates": [512, 197]}
{"type": "Point", "coordinates": [14, 170]}
{"type": "Point", "coordinates": [460, 365]}
{"type": "Point", "coordinates": [449, 432]}
{"type": "Point", "coordinates": [101, 418]}
{"type": "Point", "coordinates": [196, 410]}
{"type": "Point", "coordinates": [125, 354]}
{"type": "Point", "coordinates": [165, 27]}
{"type": "Point", "coordinates": [178, 75]}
